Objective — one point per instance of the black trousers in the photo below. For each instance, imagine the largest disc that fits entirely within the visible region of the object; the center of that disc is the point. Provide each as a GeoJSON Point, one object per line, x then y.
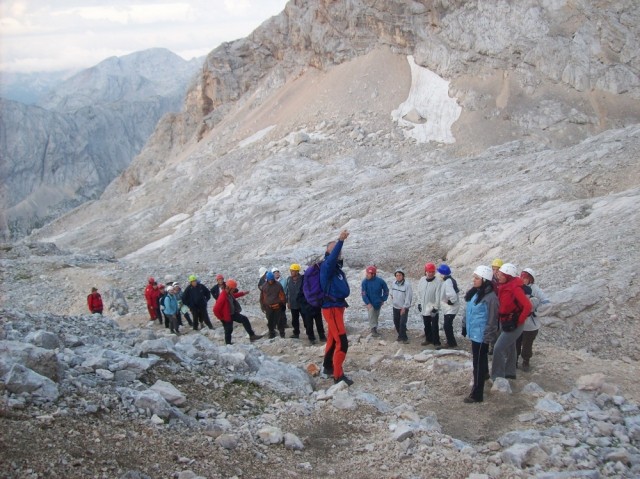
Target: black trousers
{"type": "Point", "coordinates": [524, 345]}
{"type": "Point", "coordinates": [432, 328]}
{"type": "Point", "coordinates": [200, 317]}
{"type": "Point", "coordinates": [314, 316]}
{"type": "Point", "coordinates": [236, 318]}
{"type": "Point", "coordinates": [275, 319]}
{"type": "Point", "coordinates": [295, 321]}
{"type": "Point", "coordinates": [400, 322]}
{"type": "Point", "coordinates": [480, 369]}
{"type": "Point", "coordinates": [448, 329]}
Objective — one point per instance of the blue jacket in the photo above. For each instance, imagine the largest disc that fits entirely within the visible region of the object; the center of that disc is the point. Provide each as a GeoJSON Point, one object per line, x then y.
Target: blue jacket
{"type": "Point", "coordinates": [482, 318]}
{"type": "Point", "coordinates": [374, 291]}
{"type": "Point", "coordinates": [170, 304]}
{"type": "Point", "coordinates": [333, 280]}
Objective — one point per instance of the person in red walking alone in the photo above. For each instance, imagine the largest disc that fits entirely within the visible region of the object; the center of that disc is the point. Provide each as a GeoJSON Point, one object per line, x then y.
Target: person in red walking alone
{"type": "Point", "coordinates": [94, 301]}
{"type": "Point", "coordinates": [152, 295]}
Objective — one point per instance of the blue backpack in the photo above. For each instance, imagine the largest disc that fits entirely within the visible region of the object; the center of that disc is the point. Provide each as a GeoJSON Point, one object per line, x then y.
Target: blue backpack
{"type": "Point", "coordinates": [311, 288]}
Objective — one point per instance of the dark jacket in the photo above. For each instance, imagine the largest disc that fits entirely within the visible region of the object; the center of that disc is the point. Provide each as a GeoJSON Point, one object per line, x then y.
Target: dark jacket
{"type": "Point", "coordinates": [333, 280]}
{"type": "Point", "coordinates": [374, 291]}
{"type": "Point", "coordinates": [196, 297]}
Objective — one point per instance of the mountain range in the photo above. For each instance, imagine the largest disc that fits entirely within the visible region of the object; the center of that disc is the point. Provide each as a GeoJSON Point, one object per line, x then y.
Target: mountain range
{"type": "Point", "coordinates": [68, 147]}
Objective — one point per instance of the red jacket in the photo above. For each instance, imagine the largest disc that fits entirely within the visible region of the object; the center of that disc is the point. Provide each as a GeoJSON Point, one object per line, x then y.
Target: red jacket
{"type": "Point", "coordinates": [152, 295]}
{"type": "Point", "coordinates": [94, 301]}
{"type": "Point", "coordinates": [512, 298]}
{"type": "Point", "coordinates": [222, 308]}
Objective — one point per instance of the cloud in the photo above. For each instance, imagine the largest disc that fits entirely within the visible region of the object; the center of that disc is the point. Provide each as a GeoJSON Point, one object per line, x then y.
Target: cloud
{"type": "Point", "coordinates": [40, 35]}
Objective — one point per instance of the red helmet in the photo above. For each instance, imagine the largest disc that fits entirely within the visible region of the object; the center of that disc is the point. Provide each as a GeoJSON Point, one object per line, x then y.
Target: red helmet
{"type": "Point", "coordinates": [219, 276]}
{"type": "Point", "coordinates": [151, 280]}
{"type": "Point", "coordinates": [161, 286]}
{"type": "Point", "coordinates": [430, 268]}
{"type": "Point", "coordinates": [372, 269]}
{"type": "Point", "coordinates": [232, 283]}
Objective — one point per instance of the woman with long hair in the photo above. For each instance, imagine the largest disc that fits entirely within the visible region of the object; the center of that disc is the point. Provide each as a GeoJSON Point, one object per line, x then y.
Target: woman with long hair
{"type": "Point", "coordinates": [481, 319]}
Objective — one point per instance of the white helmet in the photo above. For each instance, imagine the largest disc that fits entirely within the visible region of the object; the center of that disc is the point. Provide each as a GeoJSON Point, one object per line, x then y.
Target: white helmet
{"type": "Point", "coordinates": [262, 271]}
{"type": "Point", "coordinates": [170, 289]}
{"type": "Point", "coordinates": [509, 269]}
{"type": "Point", "coordinates": [485, 272]}
{"type": "Point", "coordinates": [274, 269]}
{"type": "Point", "coordinates": [530, 271]}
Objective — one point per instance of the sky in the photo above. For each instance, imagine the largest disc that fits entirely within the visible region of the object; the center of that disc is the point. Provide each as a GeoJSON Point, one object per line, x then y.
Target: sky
{"type": "Point", "coordinates": [53, 35]}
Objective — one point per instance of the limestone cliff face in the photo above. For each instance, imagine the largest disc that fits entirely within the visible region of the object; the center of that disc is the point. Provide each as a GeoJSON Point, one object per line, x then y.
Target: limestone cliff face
{"type": "Point", "coordinates": [65, 151]}
{"type": "Point", "coordinates": [587, 51]}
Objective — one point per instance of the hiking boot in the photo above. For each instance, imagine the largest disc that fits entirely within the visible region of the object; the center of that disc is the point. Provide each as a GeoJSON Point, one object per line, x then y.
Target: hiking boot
{"type": "Point", "coordinates": [375, 333]}
{"type": "Point", "coordinates": [470, 400]}
{"type": "Point", "coordinates": [327, 371]}
{"type": "Point", "coordinates": [323, 339]}
{"type": "Point", "coordinates": [345, 379]}
{"type": "Point", "coordinates": [255, 337]}
{"type": "Point", "coordinates": [405, 341]}
{"type": "Point", "coordinates": [313, 342]}
{"type": "Point", "coordinates": [272, 334]}
{"type": "Point", "coordinates": [295, 336]}
{"type": "Point", "coordinates": [510, 376]}
{"type": "Point", "coordinates": [425, 343]}
{"type": "Point", "coordinates": [525, 366]}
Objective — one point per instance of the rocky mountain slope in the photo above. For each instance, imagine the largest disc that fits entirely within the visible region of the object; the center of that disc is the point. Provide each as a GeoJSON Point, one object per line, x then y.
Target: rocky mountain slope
{"type": "Point", "coordinates": [66, 150]}
{"type": "Point", "coordinates": [433, 131]}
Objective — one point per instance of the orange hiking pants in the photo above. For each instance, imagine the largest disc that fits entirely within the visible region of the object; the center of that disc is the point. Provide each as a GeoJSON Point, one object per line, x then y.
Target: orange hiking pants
{"type": "Point", "coordinates": [335, 351]}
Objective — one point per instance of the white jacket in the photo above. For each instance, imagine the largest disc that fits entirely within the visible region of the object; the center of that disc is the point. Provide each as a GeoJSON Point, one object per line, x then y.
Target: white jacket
{"type": "Point", "coordinates": [401, 294]}
{"type": "Point", "coordinates": [448, 295]}
{"type": "Point", "coordinates": [429, 295]}
{"type": "Point", "coordinates": [541, 305]}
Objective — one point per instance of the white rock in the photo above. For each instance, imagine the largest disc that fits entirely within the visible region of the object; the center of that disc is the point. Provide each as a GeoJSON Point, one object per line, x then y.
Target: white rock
{"type": "Point", "coordinates": [169, 392]}
{"type": "Point", "coordinates": [293, 442]}
{"type": "Point", "coordinates": [501, 385]}
{"type": "Point", "coordinates": [270, 435]}
{"type": "Point", "coordinates": [105, 374]}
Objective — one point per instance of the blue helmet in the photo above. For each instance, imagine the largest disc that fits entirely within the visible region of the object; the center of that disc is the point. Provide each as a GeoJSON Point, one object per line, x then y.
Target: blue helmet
{"type": "Point", "coordinates": [444, 270]}
{"type": "Point", "coordinates": [270, 276]}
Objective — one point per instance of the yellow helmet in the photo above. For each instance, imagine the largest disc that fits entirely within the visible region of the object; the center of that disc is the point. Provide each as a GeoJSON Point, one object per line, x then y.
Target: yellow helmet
{"type": "Point", "coordinates": [294, 267]}
{"type": "Point", "coordinates": [497, 262]}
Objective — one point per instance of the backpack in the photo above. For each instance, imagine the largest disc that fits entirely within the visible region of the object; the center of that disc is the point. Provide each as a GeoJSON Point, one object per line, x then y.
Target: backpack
{"type": "Point", "coordinates": [455, 285]}
{"type": "Point", "coordinates": [311, 288]}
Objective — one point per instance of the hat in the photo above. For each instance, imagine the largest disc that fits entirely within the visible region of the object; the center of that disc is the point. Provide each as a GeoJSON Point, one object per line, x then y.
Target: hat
{"type": "Point", "coordinates": [294, 267]}
{"type": "Point", "coordinates": [372, 269]}
{"type": "Point", "coordinates": [399, 270]}
{"type": "Point", "coordinates": [430, 267]}
{"type": "Point", "coordinates": [151, 280]}
{"type": "Point", "coordinates": [161, 286]}
{"type": "Point", "coordinates": [175, 283]}
{"type": "Point", "coordinates": [484, 272]}
{"type": "Point", "coordinates": [270, 276]}
{"type": "Point", "coordinates": [232, 283]}
{"type": "Point", "coordinates": [274, 269]}
{"type": "Point", "coordinates": [509, 269]}
{"type": "Point", "coordinates": [193, 278]}
{"type": "Point", "coordinates": [497, 262]}
{"type": "Point", "coordinates": [94, 289]}
{"type": "Point", "coordinates": [444, 270]}
{"type": "Point", "coordinates": [219, 276]}
{"type": "Point", "coordinates": [170, 289]}
{"type": "Point", "coordinates": [262, 271]}
{"type": "Point", "coordinates": [530, 272]}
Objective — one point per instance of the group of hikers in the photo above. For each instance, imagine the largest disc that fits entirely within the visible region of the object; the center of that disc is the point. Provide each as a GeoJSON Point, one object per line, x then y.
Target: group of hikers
{"type": "Point", "coordinates": [499, 316]}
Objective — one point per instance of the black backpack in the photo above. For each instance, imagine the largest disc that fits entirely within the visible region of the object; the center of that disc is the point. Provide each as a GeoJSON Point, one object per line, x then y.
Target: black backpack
{"type": "Point", "coordinates": [455, 285]}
